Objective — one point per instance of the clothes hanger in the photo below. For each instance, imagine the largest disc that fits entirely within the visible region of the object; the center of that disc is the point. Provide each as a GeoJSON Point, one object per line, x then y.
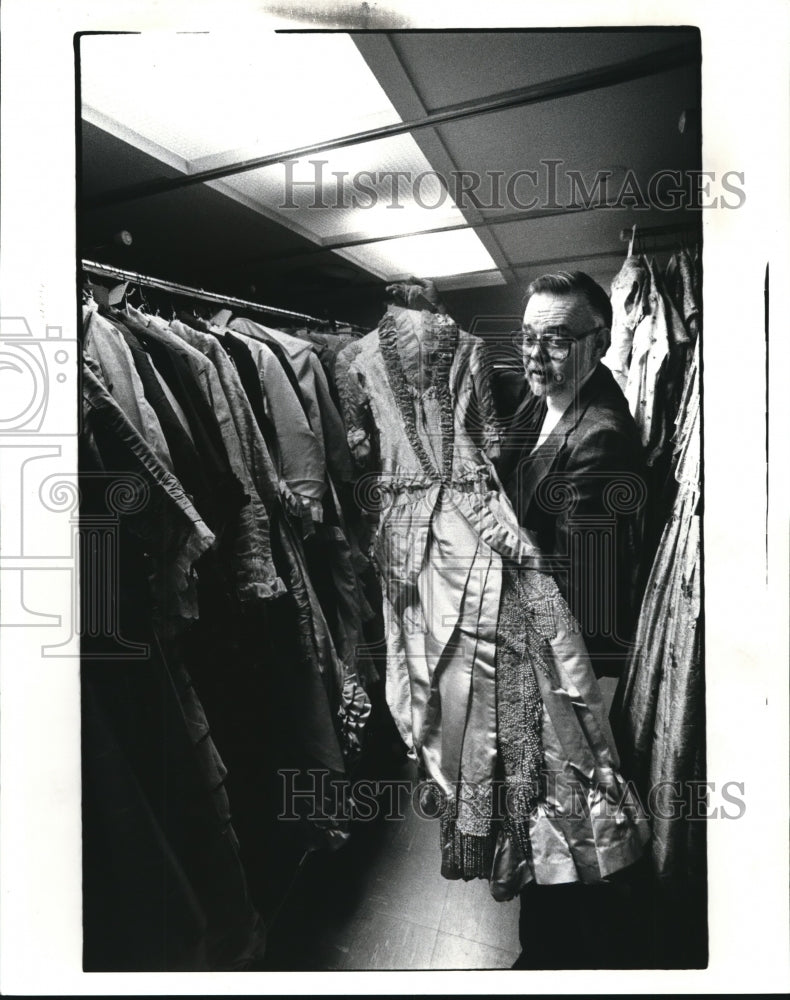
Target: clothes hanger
{"type": "Point", "coordinates": [631, 241]}
{"type": "Point", "coordinates": [137, 289]}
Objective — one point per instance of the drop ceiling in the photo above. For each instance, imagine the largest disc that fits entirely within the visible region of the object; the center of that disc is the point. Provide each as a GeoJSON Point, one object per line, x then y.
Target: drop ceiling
{"type": "Point", "coordinates": [158, 106]}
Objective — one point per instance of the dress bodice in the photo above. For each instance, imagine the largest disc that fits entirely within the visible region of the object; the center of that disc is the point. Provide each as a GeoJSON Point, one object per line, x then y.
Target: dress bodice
{"type": "Point", "coordinates": [419, 384]}
{"type": "Point", "coordinates": [418, 398]}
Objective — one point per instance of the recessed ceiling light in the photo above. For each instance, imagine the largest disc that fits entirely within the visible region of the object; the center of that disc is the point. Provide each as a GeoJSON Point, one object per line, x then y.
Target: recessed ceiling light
{"type": "Point", "coordinates": [215, 98]}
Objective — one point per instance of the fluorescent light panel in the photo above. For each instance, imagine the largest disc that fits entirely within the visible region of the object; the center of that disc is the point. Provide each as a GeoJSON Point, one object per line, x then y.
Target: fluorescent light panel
{"type": "Point", "coordinates": [214, 98]}
{"type": "Point", "coordinates": [434, 255]}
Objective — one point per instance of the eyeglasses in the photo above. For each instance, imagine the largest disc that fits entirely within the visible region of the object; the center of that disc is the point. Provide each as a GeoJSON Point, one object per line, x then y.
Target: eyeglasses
{"type": "Point", "coordinates": [557, 347]}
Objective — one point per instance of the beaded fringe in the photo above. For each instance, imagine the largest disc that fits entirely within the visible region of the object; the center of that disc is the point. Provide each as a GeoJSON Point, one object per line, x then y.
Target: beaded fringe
{"type": "Point", "coordinates": [465, 855]}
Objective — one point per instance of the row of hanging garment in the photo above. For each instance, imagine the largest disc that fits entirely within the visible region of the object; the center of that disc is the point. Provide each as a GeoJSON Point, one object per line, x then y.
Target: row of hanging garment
{"type": "Point", "coordinates": [658, 714]}
{"type": "Point", "coordinates": [656, 316]}
{"type": "Point", "coordinates": [224, 634]}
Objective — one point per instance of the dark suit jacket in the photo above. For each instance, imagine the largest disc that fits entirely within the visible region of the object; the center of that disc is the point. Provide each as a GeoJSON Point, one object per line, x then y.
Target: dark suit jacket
{"type": "Point", "coordinates": [583, 492]}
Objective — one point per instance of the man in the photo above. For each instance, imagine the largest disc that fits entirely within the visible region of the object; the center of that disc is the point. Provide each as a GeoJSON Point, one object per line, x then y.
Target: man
{"type": "Point", "coordinates": [571, 462]}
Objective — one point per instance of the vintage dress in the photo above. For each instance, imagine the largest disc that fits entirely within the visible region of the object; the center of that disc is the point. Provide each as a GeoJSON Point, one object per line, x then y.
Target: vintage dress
{"type": "Point", "coordinates": [418, 408]}
{"type": "Point", "coordinates": [659, 707]}
{"type": "Point", "coordinates": [630, 296]}
{"type": "Point", "coordinates": [654, 319]}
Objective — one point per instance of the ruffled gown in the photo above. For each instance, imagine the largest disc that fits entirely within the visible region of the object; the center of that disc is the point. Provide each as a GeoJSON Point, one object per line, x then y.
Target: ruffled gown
{"type": "Point", "coordinates": [488, 678]}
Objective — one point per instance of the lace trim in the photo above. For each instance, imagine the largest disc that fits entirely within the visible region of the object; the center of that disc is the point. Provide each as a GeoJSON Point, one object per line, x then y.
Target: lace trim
{"type": "Point", "coordinates": [475, 480]}
{"type": "Point", "coordinates": [519, 712]}
{"type": "Point", "coordinates": [531, 613]}
{"type": "Point", "coordinates": [448, 340]}
{"type": "Point", "coordinates": [545, 609]}
{"type": "Point", "coordinates": [473, 808]}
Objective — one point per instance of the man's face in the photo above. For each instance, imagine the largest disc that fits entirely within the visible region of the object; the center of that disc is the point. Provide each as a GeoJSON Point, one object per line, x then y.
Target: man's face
{"type": "Point", "coordinates": [561, 323]}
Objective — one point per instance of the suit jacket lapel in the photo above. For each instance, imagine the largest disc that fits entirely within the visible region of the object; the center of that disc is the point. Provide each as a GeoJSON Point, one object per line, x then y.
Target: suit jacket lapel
{"type": "Point", "coordinates": [536, 466]}
{"type": "Point", "coordinates": [522, 431]}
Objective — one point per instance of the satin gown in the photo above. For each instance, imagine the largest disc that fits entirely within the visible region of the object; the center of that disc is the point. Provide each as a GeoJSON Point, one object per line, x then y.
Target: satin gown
{"type": "Point", "coordinates": [488, 678]}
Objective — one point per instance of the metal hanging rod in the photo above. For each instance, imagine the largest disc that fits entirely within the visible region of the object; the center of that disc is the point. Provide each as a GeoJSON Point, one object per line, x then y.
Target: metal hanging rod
{"type": "Point", "coordinates": [502, 219]}
{"type": "Point", "coordinates": [524, 265]}
{"type": "Point", "coordinates": [565, 86]}
{"type": "Point", "coordinates": [664, 247]}
{"type": "Point", "coordinates": [636, 231]}
{"type": "Point", "coordinates": [353, 240]}
{"type": "Point", "coordinates": [199, 293]}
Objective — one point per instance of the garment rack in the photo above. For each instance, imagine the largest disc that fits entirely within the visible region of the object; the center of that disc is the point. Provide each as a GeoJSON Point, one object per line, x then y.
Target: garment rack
{"type": "Point", "coordinates": [636, 231]}
{"type": "Point", "coordinates": [176, 288]}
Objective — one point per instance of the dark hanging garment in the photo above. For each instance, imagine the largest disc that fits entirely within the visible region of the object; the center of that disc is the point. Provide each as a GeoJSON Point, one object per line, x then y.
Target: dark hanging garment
{"type": "Point", "coordinates": [324, 547]}
{"type": "Point", "coordinates": [250, 380]}
{"type": "Point", "coordinates": [300, 361]}
{"type": "Point", "coordinates": [186, 460]}
{"type": "Point", "coordinates": [163, 888]}
{"type": "Point", "coordinates": [328, 347]}
{"type": "Point", "coordinates": [233, 657]}
{"type": "Point", "coordinates": [103, 342]}
{"type": "Point", "coordinates": [299, 456]}
{"type": "Point", "coordinates": [258, 332]}
{"type": "Point", "coordinates": [241, 658]}
{"type": "Point", "coordinates": [226, 495]}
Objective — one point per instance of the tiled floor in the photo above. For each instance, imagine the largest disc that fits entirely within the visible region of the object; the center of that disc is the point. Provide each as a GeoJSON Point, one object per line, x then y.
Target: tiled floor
{"type": "Point", "coordinates": [380, 903]}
